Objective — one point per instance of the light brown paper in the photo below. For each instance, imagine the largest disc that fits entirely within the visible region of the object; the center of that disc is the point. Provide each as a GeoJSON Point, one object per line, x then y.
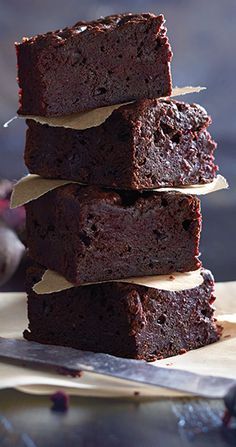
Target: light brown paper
{"type": "Point", "coordinates": [96, 117]}
{"type": "Point", "coordinates": [218, 359]}
{"type": "Point", "coordinates": [53, 282]}
{"type": "Point", "coordinates": [218, 183]}
{"type": "Point", "coordinates": [33, 186]}
{"type": "Point", "coordinates": [79, 121]}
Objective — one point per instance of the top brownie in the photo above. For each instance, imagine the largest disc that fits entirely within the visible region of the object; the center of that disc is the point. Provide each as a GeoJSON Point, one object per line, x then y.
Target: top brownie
{"type": "Point", "coordinates": [112, 60]}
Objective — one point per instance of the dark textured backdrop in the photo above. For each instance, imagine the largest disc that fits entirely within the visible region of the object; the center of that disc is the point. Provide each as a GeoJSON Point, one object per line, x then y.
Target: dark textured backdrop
{"type": "Point", "coordinates": [203, 36]}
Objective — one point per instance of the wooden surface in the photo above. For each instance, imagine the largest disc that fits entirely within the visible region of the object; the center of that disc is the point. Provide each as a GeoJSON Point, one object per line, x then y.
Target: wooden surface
{"type": "Point", "coordinates": [27, 421]}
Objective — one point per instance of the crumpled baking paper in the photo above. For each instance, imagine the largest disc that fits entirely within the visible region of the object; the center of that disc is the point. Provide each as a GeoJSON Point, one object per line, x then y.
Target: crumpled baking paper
{"type": "Point", "coordinates": [54, 282]}
{"type": "Point", "coordinates": [33, 186]}
{"type": "Point", "coordinates": [218, 359]}
{"type": "Point", "coordinates": [96, 117]}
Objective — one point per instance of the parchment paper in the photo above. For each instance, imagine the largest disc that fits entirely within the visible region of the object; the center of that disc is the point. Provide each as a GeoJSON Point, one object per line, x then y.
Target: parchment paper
{"type": "Point", "coordinates": [33, 186]}
{"type": "Point", "coordinates": [95, 117]}
{"type": "Point", "coordinates": [53, 282]}
{"type": "Point", "coordinates": [218, 359]}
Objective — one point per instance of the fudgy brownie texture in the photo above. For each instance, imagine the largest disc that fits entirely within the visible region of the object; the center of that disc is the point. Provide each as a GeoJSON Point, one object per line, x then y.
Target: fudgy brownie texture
{"type": "Point", "coordinates": [89, 234]}
{"type": "Point", "coordinates": [93, 64]}
{"type": "Point", "coordinates": [147, 144]}
{"type": "Point", "coordinates": [126, 320]}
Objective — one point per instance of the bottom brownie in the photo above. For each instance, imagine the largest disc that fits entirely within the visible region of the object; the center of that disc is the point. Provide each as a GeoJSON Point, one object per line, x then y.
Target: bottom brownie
{"type": "Point", "coordinates": [126, 320]}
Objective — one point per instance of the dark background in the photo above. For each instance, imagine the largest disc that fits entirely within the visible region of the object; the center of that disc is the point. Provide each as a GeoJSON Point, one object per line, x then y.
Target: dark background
{"type": "Point", "coordinates": [203, 36]}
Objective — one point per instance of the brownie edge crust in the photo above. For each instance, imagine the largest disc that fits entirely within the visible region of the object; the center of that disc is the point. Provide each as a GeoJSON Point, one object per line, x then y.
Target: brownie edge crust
{"type": "Point", "coordinates": [125, 320]}
{"type": "Point", "coordinates": [112, 60]}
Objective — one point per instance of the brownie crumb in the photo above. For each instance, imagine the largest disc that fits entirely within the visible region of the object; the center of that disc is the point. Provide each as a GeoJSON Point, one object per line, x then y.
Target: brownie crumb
{"type": "Point", "coordinates": [226, 419]}
{"type": "Point", "coordinates": [182, 351]}
{"type": "Point", "coordinates": [60, 402]}
{"type": "Point", "coordinates": [230, 403]}
{"type": "Point", "coordinates": [69, 372]}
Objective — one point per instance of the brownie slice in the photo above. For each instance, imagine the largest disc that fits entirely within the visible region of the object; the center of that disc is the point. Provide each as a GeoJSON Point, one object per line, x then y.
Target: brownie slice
{"type": "Point", "coordinates": [147, 144]}
{"type": "Point", "coordinates": [89, 234]}
{"type": "Point", "coordinates": [126, 320]}
{"type": "Point", "coordinates": [111, 60]}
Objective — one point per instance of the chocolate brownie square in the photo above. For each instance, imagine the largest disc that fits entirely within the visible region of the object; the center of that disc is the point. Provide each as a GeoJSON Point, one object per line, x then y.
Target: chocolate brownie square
{"type": "Point", "coordinates": [90, 234]}
{"type": "Point", "coordinates": [148, 144]}
{"type": "Point", "coordinates": [111, 60]}
{"type": "Point", "coordinates": [126, 320]}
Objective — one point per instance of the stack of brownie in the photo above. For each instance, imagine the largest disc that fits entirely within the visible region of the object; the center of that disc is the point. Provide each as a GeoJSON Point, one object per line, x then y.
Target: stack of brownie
{"type": "Point", "coordinates": [114, 222]}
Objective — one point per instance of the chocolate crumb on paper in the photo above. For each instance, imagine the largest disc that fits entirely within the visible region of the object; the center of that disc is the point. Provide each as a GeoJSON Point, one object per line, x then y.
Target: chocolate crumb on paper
{"type": "Point", "coordinates": [69, 372]}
